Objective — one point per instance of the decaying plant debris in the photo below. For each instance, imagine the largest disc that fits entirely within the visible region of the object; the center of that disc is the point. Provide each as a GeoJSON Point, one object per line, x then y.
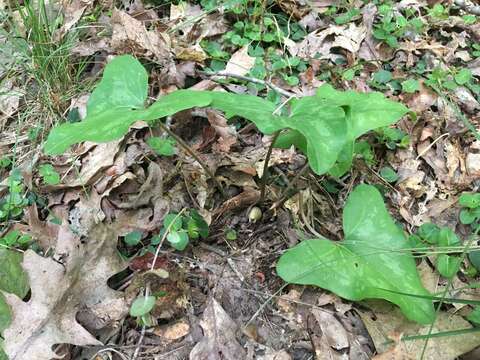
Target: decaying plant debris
{"type": "Point", "coordinates": [163, 164]}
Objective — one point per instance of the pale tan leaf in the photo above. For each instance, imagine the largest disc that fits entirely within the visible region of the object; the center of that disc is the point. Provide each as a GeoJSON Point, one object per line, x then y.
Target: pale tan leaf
{"type": "Point", "coordinates": [64, 294]}
{"type": "Point", "coordinates": [219, 340]}
{"type": "Point", "coordinates": [240, 63]}
{"type": "Point", "coordinates": [129, 35]}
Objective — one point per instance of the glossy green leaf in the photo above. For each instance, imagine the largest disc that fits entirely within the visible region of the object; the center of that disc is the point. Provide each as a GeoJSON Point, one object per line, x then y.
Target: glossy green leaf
{"type": "Point", "coordinates": [178, 239]}
{"type": "Point", "coordinates": [142, 306]}
{"type": "Point", "coordinates": [5, 314]}
{"type": "Point", "coordinates": [3, 356]}
{"type": "Point", "coordinates": [324, 126]}
{"type": "Point", "coordinates": [162, 146]}
{"type": "Point", "coordinates": [367, 264]}
{"type": "Point", "coordinates": [12, 280]}
{"type": "Point", "coordinates": [365, 111]}
{"type": "Point", "coordinates": [289, 138]}
{"type": "Point", "coordinates": [448, 265]}
{"type": "Point", "coordinates": [124, 85]}
{"type": "Point", "coordinates": [469, 200]}
{"type": "Point", "coordinates": [12, 277]}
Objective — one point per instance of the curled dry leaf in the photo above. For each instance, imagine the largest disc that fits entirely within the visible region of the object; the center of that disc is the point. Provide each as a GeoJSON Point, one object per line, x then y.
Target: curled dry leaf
{"type": "Point", "coordinates": [227, 133]}
{"type": "Point", "coordinates": [130, 36]}
{"type": "Point", "coordinates": [72, 12]}
{"type": "Point", "coordinates": [93, 165]}
{"type": "Point", "coordinates": [388, 320]}
{"type": "Point", "coordinates": [240, 63]}
{"type": "Point", "coordinates": [52, 314]}
{"type": "Point", "coordinates": [321, 42]}
{"type": "Point", "coordinates": [219, 341]}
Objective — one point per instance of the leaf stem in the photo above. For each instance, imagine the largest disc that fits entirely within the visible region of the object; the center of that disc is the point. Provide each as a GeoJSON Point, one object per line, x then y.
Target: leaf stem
{"type": "Point", "coordinates": [263, 184]}
{"type": "Point", "coordinates": [283, 196]}
{"type": "Point", "coordinates": [190, 151]}
{"type": "Point", "coordinates": [281, 91]}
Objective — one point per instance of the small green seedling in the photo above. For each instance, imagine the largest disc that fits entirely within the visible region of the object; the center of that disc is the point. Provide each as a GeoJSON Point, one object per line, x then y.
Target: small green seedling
{"type": "Point", "coordinates": [133, 238]}
{"type": "Point", "coordinates": [394, 26]}
{"type": "Point", "coordinates": [230, 234]}
{"type": "Point", "coordinates": [439, 239]}
{"type": "Point", "coordinates": [182, 228]}
{"type": "Point", "coordinates": [470, 213]}
{"type": "Point", "coordinates": [392, 138]}
{"type": "Point", "coordinates": [162, 146]}
{"type": "Point", "coordinates": [5, 162]}
{"type": "Point", "coordinates": [410, 86]}
{"type": "Point", "coordinates": [438, 12]}
{"type": "Point", "coordinates": [49, 175]}
{"type": "Point", "coordinates": [348, 16]}
{"type": "Point", "coordinates": [13, 203]}
{"type": "Point", "coordinates": [15, 239]}
{"type": "Point", "coordinates": [388, 174]}
{"type": "Point", "coordinates": [141, 308]}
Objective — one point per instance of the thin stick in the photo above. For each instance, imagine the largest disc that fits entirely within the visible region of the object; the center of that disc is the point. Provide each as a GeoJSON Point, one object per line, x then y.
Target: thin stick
{"type": "Point", "coordinates": [189, 150]}
{"type": "Point", "coordinates": [284, 194]}
{"type": "Point", "coordinates": [424, 151]}
{"type": "Point", "coordinates": [252, 80]}
{"type": "Point", "coordinates": [263, 184]}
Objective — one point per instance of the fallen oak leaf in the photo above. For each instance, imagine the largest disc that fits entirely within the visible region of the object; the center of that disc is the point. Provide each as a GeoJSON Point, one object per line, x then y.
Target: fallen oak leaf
{"type": "Point", "coordinates": [219, 341]}
{"type": "Point", "coordinates": [61, 294]}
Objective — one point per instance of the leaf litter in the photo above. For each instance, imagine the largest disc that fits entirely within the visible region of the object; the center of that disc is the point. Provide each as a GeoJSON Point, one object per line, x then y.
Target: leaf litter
{"type": "Point", "coordinates": [223, 296]}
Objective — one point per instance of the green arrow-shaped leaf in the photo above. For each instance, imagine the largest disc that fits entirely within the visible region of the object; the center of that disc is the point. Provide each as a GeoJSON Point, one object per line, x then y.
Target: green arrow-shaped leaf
{"type": "Point", "coordinates": [368, 263]}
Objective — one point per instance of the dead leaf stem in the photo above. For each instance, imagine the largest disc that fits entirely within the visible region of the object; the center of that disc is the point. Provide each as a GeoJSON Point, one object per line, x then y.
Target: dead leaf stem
{"type": "Point", "coordinates": [252, 80]}
{"type": "Point", "coordinates": [264, 178]}
{"type": "Point", "coordinates": [189, 150]}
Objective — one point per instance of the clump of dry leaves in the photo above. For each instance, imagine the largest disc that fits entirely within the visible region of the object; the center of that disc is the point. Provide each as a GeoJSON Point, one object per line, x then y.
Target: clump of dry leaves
{"type": "Point", "coordinates": [221, 299]}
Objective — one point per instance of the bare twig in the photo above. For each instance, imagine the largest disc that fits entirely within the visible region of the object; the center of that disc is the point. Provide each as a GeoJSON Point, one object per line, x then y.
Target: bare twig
{"type": "Point", "coordinates": [252, 80]}
{"type": "Point", "coordinates": [468, 7]}
{"type": "Point", "coordinates": [189, 150]}
{"type": "Point", "coordinates": [283, 197]}
{"type": "Point", "coordinates": [263, 184]}
{"type": "Point", "coordinates": [137, 350]}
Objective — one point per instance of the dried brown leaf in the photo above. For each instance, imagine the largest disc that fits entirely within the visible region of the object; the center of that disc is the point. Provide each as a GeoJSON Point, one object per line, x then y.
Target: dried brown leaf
{"type": "Point", "coordinates": [389, 320]}
{"type": "Point", "coordinates": [219, 341]}
{"type": "Point", "coordinates": [240, 63]}
{"type": "Point", "coordinates": [63, 293]}
{"type": "Point", "coordinates": [130, 36]}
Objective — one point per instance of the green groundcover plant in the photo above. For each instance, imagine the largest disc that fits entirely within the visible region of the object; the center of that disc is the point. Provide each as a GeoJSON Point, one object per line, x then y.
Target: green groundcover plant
{"type": "Point", "coordinates": [373, 262]}
{"type": "Point", "coordinates": [370, 262]}
{"type": "Point", "coordinates": [323, 126]}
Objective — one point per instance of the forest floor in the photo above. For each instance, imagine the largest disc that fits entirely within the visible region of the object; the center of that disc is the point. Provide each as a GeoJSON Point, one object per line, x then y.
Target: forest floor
{"type": "Point", "coordinates": [83, 235]}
